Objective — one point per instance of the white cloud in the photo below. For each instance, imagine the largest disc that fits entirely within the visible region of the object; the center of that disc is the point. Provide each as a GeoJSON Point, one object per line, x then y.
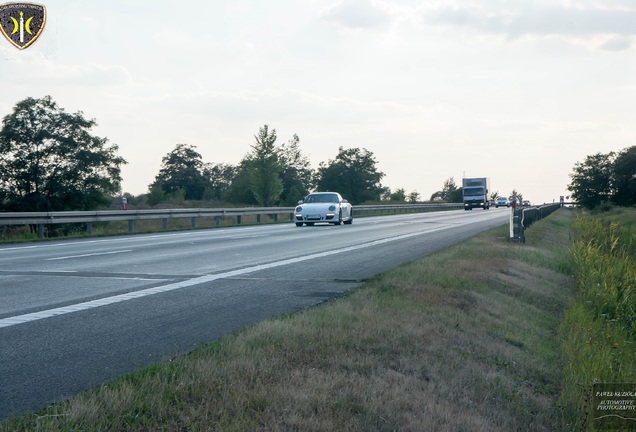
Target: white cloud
{"type": "Point", "coordinates": [617, 43]}
{"type": "Point", "coordinates": [530, 18]}
{"type": "Point", "coordinates": [356, 15]}
{"type": "Point", "coordinates": [36, 72]}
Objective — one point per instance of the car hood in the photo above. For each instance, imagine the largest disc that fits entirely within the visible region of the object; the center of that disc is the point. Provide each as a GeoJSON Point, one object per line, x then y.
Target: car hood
{"type": "Point", "coordinates": [317, 206]}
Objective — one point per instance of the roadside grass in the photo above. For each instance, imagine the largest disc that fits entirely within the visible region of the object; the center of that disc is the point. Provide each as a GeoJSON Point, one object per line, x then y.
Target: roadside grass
{"type": "Point", "coordinates": [600, 327]}
{"type": "Point", "coordinates": [466, 339]}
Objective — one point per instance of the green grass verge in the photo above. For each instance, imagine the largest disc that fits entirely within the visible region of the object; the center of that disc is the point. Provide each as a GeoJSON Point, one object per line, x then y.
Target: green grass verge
{"type": "Point", "coordinates": [600, 327]}
{"type": "Point", "coordinates": [466, 339]}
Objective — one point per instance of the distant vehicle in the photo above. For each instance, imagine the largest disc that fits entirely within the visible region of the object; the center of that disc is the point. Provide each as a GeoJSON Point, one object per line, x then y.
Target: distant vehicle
{"type": "Point", "coordinates": [502, 202]}
{"type": "Point", "coordinates": [526, 203]}
{"type": "Point", "coordinates": [327, 207]}
{"type": "Point", "coordinates": [475, 192]}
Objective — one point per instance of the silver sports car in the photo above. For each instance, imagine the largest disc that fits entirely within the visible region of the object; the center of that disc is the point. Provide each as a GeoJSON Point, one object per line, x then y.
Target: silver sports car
{"type": "Point", "coordinates": [326, 207]}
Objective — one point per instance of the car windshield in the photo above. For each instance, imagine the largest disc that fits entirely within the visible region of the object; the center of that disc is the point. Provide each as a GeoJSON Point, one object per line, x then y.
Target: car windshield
{"type": "Point", "coordinates": [321, 198]}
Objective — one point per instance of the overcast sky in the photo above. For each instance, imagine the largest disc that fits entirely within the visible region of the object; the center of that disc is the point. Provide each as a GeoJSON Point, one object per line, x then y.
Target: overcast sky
{"type": "Point", "coordinates": [517, 91]}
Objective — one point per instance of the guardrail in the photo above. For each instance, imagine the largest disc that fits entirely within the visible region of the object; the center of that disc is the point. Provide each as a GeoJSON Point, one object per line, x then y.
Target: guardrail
{"type": "Point", "coordinates": [522, 217]}
{"type": "Point", "coordinates": [40, 219]}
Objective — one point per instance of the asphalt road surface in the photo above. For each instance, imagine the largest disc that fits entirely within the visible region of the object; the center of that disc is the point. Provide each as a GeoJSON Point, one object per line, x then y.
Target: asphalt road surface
{"type": "Point", "coordinates": [76, 313]}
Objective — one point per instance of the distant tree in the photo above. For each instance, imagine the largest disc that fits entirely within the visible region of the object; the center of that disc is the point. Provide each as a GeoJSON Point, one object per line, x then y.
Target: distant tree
{"type": "Point", "coordinates": [494, 195]}
{"type": "Point", "coordinates": [155, 195]}
{"type": "Point", "coordinates": [592, 180]}
{"type": "Point", "coordinates": [240, 191]}
{"type": "Point", "coordinates": [50, 161]}
{"type": "Point", "coordinates": [399, 195]}
{"type": "Point", "coordinates": [219, 178]}
{"type": "Point", "coordinates": [182, 172]}
{"type": "Point", "coordinates": [296, 175]}
{"type": "Point", "coordinates": [450, 192]}
{"type": "Point", "coordinates": [353, 173]}
{"type": "Point", "coordinates": [265, 168]}
{"type": "Point", "coordinates": [624, 177]}
{"type": "Point", "coordinates": [519, 195]}
{"type": "Point", "coordinates": [414, 197]}
{"type": "Point", "coordinates": [386, 194]}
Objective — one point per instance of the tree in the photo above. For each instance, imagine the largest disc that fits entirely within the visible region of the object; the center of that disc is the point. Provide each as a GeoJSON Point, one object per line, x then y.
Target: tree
{"type": "Point", "coordinates": [240, 191]}
{"type": "Point", "coordinates": [414, 197]}
{"type": "Point", "coordinates": [450, 192]}
{"type": "Point", "coordinates": [592, 180]}
{"type": "Point", "coordinates": [220, 178]}
{"type": "Point", "coordinates": [265, 168]}
{"type": "Point", "coordinates": [399, 195]}
{"type": "Point", "coordinates": [297, 173]}
{"type": "Point", "coordinates": [182, 172]}
{"type": "Point", "coordinates": [353, 173]}
{"type": "Point", "coordinates": [50, 161]}
{"type": "Point", "coordinates": [624, 177]}
{"type": "Point", "coordinates": [519, 195]}
{"type": "Point", "coordinates": [155, 195]}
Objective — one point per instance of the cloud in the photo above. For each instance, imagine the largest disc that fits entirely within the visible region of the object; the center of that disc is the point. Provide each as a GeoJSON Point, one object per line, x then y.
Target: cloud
{"type": "Point", "coordinates": [35, 70]}
{"type": "Point", "coordinates": [521, 19]}
{"type": "Point", "coordinates": [356, 15]}
{"type": "Point", "coordinates": [617, 43]}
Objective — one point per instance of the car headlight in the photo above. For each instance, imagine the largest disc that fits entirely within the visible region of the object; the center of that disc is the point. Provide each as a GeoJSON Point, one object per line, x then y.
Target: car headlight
{"type": "Point", "coordinates": [299, 209]}
{"type": "Point", "coordinates": [332, 208]}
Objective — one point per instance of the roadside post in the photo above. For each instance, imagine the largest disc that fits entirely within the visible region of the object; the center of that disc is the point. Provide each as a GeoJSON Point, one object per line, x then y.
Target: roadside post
{"type": "Point", "coordinates": [515, 222]}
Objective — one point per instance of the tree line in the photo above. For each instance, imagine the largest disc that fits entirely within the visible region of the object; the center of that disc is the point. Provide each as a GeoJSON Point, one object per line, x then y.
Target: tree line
{"type": "Point", "coordinates": [269, 175]}
{"type": "Point", "coordinates": [605, 178]}
{"type": "Point", "coordinates": [50, 161]}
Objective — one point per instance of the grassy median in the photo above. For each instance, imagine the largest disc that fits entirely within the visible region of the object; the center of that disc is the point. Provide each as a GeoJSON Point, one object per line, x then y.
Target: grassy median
{"type": "Point", "coordinates": [464, 340]}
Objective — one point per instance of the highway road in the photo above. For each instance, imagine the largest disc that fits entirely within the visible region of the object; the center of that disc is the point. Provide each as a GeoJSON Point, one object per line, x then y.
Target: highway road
{"type": "Point", "coordinates": [76, 313]}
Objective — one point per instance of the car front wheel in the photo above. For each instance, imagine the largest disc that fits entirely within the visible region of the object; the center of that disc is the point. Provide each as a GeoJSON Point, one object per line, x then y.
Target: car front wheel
{"type": "Point", "coordinates": [350, 220]}
{"type": "Point", "coordinates": [339, 218]}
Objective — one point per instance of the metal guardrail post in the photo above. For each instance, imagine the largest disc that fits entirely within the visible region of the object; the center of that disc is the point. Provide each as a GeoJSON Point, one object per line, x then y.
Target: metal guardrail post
{"type": "Point", "coordinates": [131, 225]}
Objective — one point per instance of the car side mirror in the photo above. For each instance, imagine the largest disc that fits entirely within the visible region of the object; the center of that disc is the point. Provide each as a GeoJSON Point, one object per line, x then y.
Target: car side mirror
{"type": "Point", "coordinates": [344, 201]}
{"type": "Point", "coordinates": [300, 202]}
